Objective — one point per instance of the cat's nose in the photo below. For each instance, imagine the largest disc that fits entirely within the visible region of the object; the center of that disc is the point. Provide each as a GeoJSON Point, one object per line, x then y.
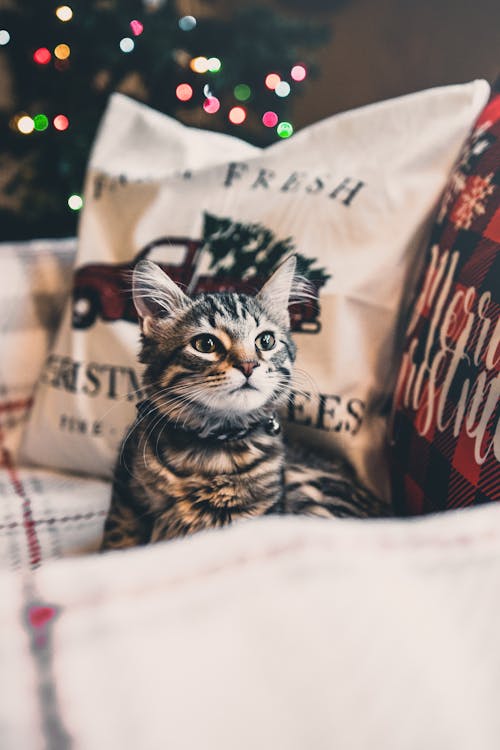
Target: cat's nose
{"type": "Point", "coordinates": [247, 366]}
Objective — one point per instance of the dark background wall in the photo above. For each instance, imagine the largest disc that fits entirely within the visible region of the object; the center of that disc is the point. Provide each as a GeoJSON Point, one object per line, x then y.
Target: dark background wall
{"type": "Point", "coordinates": [384, 48]}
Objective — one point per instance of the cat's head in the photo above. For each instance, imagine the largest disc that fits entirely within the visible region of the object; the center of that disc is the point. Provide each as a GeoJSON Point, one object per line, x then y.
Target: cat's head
{"type": "Point", "coordinates": [224, 353]}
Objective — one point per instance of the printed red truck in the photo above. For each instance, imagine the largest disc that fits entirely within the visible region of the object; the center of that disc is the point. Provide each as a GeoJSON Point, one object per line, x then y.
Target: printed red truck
{"type": "Point", "coordinates": [104, 290]}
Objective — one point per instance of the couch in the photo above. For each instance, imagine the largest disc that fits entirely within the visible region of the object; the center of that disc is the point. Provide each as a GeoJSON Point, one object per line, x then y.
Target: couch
{"type": "Point", "coordinates": [277, 633]}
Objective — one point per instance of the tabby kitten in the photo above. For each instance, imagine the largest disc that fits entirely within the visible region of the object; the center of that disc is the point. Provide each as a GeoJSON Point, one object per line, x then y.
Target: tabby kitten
{"type": "Point", "coordinates": [205, 448]}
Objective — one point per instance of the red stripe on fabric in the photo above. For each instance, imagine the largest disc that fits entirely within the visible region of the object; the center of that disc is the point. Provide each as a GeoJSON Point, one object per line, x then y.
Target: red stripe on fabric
{"type": "Point", "coordinates": [13, 405]}
{"type": "Point", "coordinates": [34, 549]}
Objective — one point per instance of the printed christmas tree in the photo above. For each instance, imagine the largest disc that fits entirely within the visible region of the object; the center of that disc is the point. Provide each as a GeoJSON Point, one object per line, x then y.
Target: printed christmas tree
{"type": "Point", "coordinates": [242, 251]}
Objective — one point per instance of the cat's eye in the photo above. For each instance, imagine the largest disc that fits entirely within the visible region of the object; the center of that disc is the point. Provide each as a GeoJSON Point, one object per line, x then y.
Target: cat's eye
{"type": "Point", "coordinates": [206, 344]}
{"type": "Point", "coordinates": [265, 341]}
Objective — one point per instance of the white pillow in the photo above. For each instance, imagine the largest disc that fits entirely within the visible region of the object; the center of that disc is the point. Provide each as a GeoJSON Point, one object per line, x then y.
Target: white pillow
{"type": "Point", "coordinates": [35, 282]}
{"type": "Point", "coordinates": [355, 192]}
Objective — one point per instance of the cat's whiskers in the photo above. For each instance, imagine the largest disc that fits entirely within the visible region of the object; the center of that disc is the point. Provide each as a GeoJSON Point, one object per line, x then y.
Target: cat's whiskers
{"type": "Point", "coordinates": [181, 402]}
{"type": "Point", "coordinates": [133, 427]}
{"type": "Point", "coordinates": [140, 392]}
{"type": "Point", "coordinates": [298, 373]}
{"type": "Point", "coordinates": [156, 424]}
{"type": "Point", "coordinates": [130, 430]}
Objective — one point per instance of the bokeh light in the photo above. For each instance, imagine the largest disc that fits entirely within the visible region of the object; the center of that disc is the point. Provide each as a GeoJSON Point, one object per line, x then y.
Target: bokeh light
{"type": "Point", "coordinates": [199, 64]}
{"type": "Point", "coordinates": [211, 105]}
{"type": "Point", "coordinates": [64, 13]}
{"type": "Point", "coordinates": [62, 51]}
{"type": "Point", "coordinates": [137, 27]}
{"type": "Point", "coordinates": [214, 64]}
{"type": "Point", "coordinates": [298, 72]}
{"type": "Point", "coordinates": [187, 23]}
{"type": "Point", "coordinates": [242, 92]}
{"type": "Point", "coordinates": [41, 122]}
{"type": "Point", "coordinates": [75, 202]}
{"type": "Point", "coordinates": [285, 129]}
{"type": "Point", "coordinates": [25, 125]}
{"type": "Point", "coordinates": [184, 92]}
{"type": "Point", "coordinates": [270, 119]}
{"type": "Point", "coordinates": [282, 89]}
{"type": "Point", "coordinates": [42, 56]}
{"type": "Point", "coordinates": [60, 122]}
{"type": "Point", "coordinates": [272, 80]}
{"type": "Point", "coordinates": [237, 115]}
{"type": "Point", "coordinates": [127, 44]}
{"type": "Point", "coordinates": [4, 37]}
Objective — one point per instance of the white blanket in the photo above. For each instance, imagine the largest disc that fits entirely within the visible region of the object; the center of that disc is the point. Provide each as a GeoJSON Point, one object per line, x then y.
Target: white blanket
{"type": "Point", "coordinates": [279, 634]}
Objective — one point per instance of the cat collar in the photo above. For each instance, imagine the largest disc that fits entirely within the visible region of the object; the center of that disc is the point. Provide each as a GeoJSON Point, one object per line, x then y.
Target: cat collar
{"type": "Point", "coordinates": [270, 424]}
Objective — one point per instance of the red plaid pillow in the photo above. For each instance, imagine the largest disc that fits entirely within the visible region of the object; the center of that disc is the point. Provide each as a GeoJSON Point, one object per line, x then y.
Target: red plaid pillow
{"type": "Point", "coordinates": [446, 433]}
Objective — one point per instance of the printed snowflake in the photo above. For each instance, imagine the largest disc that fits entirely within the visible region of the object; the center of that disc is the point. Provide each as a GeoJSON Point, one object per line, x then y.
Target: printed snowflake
{"type": "Point", "coordinates": [475, 146]}
{"type": "Point", "coordinates": [471, 202]}
{"type": "Point", "coordinates": [456, 184]}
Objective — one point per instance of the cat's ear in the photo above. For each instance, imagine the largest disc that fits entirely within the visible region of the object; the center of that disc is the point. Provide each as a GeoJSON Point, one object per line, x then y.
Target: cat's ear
{"type": "Point", "coordinates": [155, 294]}
{"type": "Point", "coordinates": [275, 294]}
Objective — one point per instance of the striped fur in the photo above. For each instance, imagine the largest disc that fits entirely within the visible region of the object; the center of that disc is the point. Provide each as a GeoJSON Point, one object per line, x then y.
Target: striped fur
{"type": "Point", "coordinates": [202, 451]}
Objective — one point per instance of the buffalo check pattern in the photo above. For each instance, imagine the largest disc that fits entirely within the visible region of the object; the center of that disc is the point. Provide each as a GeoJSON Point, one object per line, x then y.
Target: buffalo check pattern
{"type": "Point", "coordinates": [446, 432]}
{"type": "Point", "coordinates": [43, 514]}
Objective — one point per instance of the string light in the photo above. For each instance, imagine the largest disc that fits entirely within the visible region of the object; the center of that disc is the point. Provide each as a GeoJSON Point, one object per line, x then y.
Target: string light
{"type": "Point", "coordinates": [4, 37]}
{"type": "Point", "coordinates": [184, 92]}
{"type": "Point", "coordinates": [285, 129]}
{"type": "Point", "coordinates": [42, 56]}
{"type": "Point", "coordinates": [64, 13]}
{"type": "Point", "coordinates": [237, 115]}
{"type": "Point", "coordinates": [187, 23]}
{"type": "Point", "coordinates": [282, 89]}
{"type": "Point", "coordinates": [62, 51]}
{"type": "Point", "coordinates": [199, 64]}
{"type": "Point", "coordinates": [25, 125]}
{"type": "Point", "coordinates": [270, 119]}
{"type": "Point", "coordinates": [211, 105]}
{"type": "Point", "coordinates": [242, 92]}
{"type": "Point", "coordinates": [127, 44]}
{"type": "Point", "coordinates": [60, 122]}
{"type": "Point", "coordinates": [214, 64]}
{"type": "Point", "coordinates": [75, 202]}
{"type": "Point", "coordinates": [41, 122]}
{"type": "Point", "coordinates": [298, 72]}
{"type": "Point", "coordinates": [137, 27]}
{"type": "Point", "coordinates": [272, 80]}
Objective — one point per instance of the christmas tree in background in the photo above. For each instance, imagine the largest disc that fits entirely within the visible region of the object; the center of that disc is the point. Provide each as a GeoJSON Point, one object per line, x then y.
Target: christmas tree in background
{"type": "Point", "coordinates": [235, 74]}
